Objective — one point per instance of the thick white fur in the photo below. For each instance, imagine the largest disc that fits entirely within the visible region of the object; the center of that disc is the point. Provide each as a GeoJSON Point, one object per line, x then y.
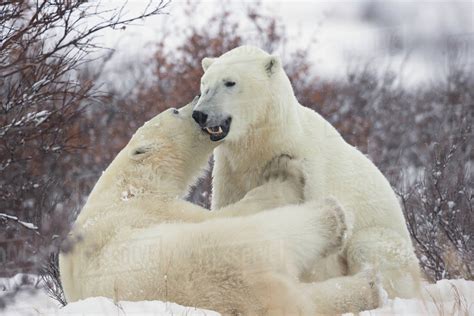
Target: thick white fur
{"type": "Point", "coordinates": [268, 121]}
{"type": "Point", "coordinates": [142, 242]}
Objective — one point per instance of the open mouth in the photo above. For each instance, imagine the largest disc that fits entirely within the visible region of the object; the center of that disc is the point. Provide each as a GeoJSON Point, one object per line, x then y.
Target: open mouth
{"type": "Point", "coordinates": [218, 132]}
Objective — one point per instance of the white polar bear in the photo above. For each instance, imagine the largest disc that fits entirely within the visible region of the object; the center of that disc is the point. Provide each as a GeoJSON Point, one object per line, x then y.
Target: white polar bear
{"type": "Point", "coordinates": [248, 101]}
{"type": "Point", "coordinates": [142, 242]}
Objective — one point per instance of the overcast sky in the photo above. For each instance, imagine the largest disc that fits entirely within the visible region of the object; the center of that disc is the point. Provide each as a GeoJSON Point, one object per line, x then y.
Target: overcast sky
{"type": "Point", "coordinates": [344, 30]}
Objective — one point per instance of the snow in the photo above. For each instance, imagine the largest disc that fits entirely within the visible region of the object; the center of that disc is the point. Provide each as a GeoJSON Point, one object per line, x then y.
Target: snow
{"type": "Point", "coordinates": [41, 304]}
{"type": "Point", "coordinates": [34, 117]}
{"type": "Point", "coordinates": [33, 300]}
{"type": "Point", "coordinates": [14, 218]}
{"type": "Point", "coordinates": [105, 306]}
{"type": "Point", "coordinates": [38, 117]}
{"type": "Point", "coordinates": [31, 303]}
{"type": "Point", "coordinates": [447, 297]}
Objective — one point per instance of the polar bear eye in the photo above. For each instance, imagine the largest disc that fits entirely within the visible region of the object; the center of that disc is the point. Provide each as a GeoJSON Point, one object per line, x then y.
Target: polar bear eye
{"type": "Point", "coordinates": [141, 152]}
{"type": "Point", "coordinates": [229, 84]}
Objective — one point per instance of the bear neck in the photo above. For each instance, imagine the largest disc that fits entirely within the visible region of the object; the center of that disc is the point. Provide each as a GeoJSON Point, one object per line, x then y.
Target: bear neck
{"type": "Point", "coordinates": [166, 183]}
{"type": "Point", "coordinates": [121, 183]}
{"type": "Point", "coordinates": [171, 177]}
{"type": "Point", "coordinates": [260, 145]}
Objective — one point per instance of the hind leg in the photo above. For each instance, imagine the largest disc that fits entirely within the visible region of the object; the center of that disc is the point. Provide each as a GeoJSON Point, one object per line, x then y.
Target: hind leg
{"type": "Point", "coordinates": [291, 238]}
{"type": "Point", "coordinates": [354, 293]}
{"type": "Point", "coordinates": [279, 295]}
{"type": "Point", "coordinates": [308, 232]}
{"type": "Point", "coordinates": [393, 272]}
{"type": "Point", "coordinates": [391, 255]}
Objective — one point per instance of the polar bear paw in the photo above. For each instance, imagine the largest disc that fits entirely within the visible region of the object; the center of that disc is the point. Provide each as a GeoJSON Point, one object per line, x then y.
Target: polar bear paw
{"type": "Point", "coordinates": [338, 221]}
{"type": "Point", "coordinates": [285, 168]}
{"type": "Point", "coordinates": [377, 296]}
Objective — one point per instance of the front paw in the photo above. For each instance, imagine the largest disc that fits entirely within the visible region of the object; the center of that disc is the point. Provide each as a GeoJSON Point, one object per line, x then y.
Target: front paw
{"type": "Point", "coordinates": [338, 221]}
{"type": "Point", "coordinates": [372, 281]}
{"type": "Point", "coordinates": [285, 168]}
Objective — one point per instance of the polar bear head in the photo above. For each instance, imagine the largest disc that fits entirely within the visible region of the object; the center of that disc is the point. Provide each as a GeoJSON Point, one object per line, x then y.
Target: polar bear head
{"type": "Point", "coordinates": [169, 148]}
{"type": "Point", "coordinates": [242, 89]}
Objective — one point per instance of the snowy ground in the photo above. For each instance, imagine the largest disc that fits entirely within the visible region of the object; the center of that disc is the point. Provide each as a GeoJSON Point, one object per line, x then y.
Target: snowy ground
{"type": "Point", "coordinates": [447, 297]}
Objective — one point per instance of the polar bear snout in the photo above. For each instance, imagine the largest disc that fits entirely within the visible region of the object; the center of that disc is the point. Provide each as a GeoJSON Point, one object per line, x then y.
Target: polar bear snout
{"type": "Point", "coordinates": [217, 127]}
{"type": "Point", "coordinates": [200, 118]}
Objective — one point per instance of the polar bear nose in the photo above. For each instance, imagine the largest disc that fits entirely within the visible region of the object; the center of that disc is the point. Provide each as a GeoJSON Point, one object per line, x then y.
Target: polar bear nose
{"type": "Point", "coordinates": [200, 117]}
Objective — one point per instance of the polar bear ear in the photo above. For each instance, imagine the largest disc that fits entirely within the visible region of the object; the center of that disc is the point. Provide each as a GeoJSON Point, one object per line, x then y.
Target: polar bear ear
{"type": "Point", "coordinates": [272, 64]}
{"type": "Point", "coordinates": [207, 62]}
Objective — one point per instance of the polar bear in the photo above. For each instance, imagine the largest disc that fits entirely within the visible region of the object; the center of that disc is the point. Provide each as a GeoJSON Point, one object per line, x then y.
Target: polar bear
{"type": "Point", "coordinates": [247, 104]}
{"type": "Point", "coordinates": [140, 241]}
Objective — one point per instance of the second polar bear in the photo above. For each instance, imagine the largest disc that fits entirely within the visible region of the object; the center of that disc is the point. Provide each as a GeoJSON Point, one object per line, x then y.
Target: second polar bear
{"type": "Point", "coordinates": [142, 242]}
{"type": "Point", "coordinates": [248, 104]}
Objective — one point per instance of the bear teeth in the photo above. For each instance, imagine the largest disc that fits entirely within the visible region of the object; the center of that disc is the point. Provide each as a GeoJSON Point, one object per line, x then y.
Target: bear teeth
{"type": "Point", "coordinates": [214, 130]}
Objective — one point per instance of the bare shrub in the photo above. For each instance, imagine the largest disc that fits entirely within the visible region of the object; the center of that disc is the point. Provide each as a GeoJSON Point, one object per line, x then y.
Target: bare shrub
{"type": "Point", "coordinates": [43, 47]}
{"type": "Point", "coordinates": [421, 139]}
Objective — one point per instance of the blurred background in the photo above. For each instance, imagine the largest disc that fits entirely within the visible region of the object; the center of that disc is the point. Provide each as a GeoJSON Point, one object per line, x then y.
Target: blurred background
{"type": "Point", "coordinates": [77, 79]}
